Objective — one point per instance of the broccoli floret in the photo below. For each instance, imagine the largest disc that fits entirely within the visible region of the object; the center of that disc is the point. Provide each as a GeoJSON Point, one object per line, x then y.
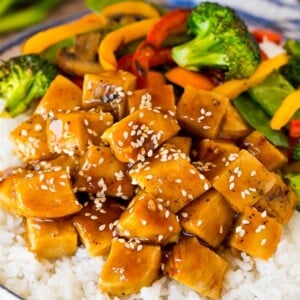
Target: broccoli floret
{"type": "Point", "coordinates": [296, 151]}
{"type": "Point", "coordinates": [291, 71]}
{"type": "Point", "coordinates": [221, 40]}
{"type": "Point", "coordinates": [24, 79]}
{"type": "Point", "coordinates": [294, 181]}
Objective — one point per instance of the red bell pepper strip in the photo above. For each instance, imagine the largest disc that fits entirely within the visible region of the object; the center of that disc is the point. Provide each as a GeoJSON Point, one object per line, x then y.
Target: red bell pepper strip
{"type": "Point", "coordinates": [162, 56]}
{"type": "Point", "coordinates": [295, 128]}
{"type": "Point", "coordinates": [261, 33]}
{"type": "Point", "coordinates": [148, 49]}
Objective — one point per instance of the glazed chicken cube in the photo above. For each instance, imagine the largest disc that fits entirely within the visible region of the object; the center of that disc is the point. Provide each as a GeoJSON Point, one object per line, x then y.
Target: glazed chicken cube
{"type": "Point", "coordinates": [100, 171]}
{"type": "Point", "coordinates": [197, 267]}
{"type": "Point", "coordinates": [256, 233]}
{"type": "Point", "coordinates": [109, 90]}
{"type": "Point", "coordinates": [170, 175]}
{"type": "Point", "coordinates": [209, 217]}
{"type": "Point", "coordinates": [62, 95]}
{"type": "Point", "coordinates": [72, 132]}
{"type": "Point", "coordinates": [270, 156]}
{"type": "Point", "coordinates": [51, 238]}
{"type": "Point", "coordinates": [95, 224]}
{"type": "Point", "coordinates": [279, 202]}
{"type": "Point", "coordinates": [233, 126]}
{"type": "Point", "coordinates": [7, 190]}
{"type": "Point", "coordinates": [29, 139]}
{"type": "Point", "coordinates": [244, 181]}
{"type": "Point", "coordinates": [161, 98]}
{"type": "Point", "coordinates": [46, 195]}
{"type": "Point", "coordinates": [129, 267]}
{"type": "Point", "coordinates": [213, 156]}
{"type": "Point", "coordinates": [147, 219]}
{"type": "Point", "coordinates": [200, 112]}
{"type": "Point", "coordinates": [183, 143]}
{"type": "Point", "coordinates": [139, 134]}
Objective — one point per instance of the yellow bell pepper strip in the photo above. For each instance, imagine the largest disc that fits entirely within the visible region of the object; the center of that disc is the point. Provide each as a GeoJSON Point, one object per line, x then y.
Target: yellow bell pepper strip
{"type": "Point", "coordinates": [130, 8]}
{"type": "Point", "coordinates": [233, 88]}
{"type": "Point", "coordinates": [44, 39]}
{"type": "Point", "coordinates": [286, 110]}
{"type": "Point", "coordinates": [123, 35]}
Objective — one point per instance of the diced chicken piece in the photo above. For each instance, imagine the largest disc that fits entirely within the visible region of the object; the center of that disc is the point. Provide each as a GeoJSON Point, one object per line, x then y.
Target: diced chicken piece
{"type": "Point", "coordinates": [147, 219]}
{"type": "Point", "coordinates": [62, 95]}
{"type": "Point", "coordinates": [109, 90]}
{"type": "Point", "coordinates": [197, 267]}
{"type": "Point", "coordinates": [95, 224]}
{"type": "Point", "coordinates": [72, 132]}
{"type": "Point", "coordinates": [46, 195]}
{"type": "Point", "coordinates": [213, 156]}
{"type": "Point", "coordinates": [270, 156]}
{"type": "Point", "coordinates": [161, 98]}
{"type": "Point", "coordinates": [100, 171]}
{"type": "Point", "coordinates": [279, 202]}
{"type": "Point", "coordinates": [209, 217]}
{"type": "Point", "coordinates": [7, 190]}
{"type": "Point", "coordinates": [184, 143]}
{"type": "Point", "coordinates": [233, 126]}
{"type": "Point", "coordinates": [256, 233]}
{"type": "Point", "coordinates": [51, 238]}
{"type": "Point", "coordinates": [200, 112]}
{"type": "Point", "coordinates": [139, 134]}
{"type": "Point", "coordinates": [129, 267]}
{"type": "Point", "coordinates": [29, 139]}
{"type": "Point", "coordinates": [244, 181]}
{"type": "Point", "coordinates": [170, 175]}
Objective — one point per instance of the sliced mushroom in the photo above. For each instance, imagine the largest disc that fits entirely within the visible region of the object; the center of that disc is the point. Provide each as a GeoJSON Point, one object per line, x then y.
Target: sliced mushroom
{"type": "Point", "coordinates": [82, 58]}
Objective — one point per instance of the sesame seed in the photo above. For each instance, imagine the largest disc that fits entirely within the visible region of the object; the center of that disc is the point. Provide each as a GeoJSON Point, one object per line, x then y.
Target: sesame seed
{"type": "Point", "coordinates": [167, 214]}
{"type": "Point", "coordinates": [263, 242]}
{"type": "Point", "coordinates": [221, 229]}
{"type": "Point", "coordinates": [260, 228]}
{"type": "Point", "coordinates": [160, 237]}
{"type": "Point", "coordinates": [184, 193]}
{"type": "Point", "coordinates": [206, 186]}
{"type": "Point", "coordinates": [231, 178]}
{"type": "Point", "coordinates": [144, 222]}
{"type": "Point", "coordinates": [139, 247]}
{"type": "Point", "coordinates": [245, 222]}
{"type": "Point", "coordinates": [102, 227]}
{"type": "Point", "coordinates": [184, 214]}
{"type": "Point", "coordinates": [264, 214]}
{"type": "Point", "coordinates": [199, 222]}
{"type": "Point", "coordinates": [252, 173]}
{"type": "Point", "coordinates": [231, 186]}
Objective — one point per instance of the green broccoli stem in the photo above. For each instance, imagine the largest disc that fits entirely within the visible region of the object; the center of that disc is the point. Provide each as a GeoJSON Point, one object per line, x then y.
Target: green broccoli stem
{"type": "Point", "coordinates": [26, 17]}
{"type": "Point", "coordinates": [199, 52]}
{"type": "Point", "coordinates": [23, 105]}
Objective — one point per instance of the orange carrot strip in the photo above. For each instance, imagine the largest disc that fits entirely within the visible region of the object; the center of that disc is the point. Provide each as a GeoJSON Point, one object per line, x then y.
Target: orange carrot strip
{"type": "Point", "coordinates": [183, 77]}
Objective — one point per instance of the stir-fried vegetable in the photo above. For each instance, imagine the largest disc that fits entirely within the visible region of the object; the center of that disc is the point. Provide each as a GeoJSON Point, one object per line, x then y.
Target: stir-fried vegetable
{"type": "Point", "coordinates": [221, 41]}
{"type": "Point", "coordinates": [259, 120]}
{"type": "Point", "coordinates": [24, 79]}
{"type": "Point", "coordinates": [17, 14]}
{"type": "Point", "coordinates": [292, 70]}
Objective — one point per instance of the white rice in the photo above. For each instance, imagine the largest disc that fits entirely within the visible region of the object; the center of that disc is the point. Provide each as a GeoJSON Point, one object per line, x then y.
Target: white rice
{"type": "Point", "coordinates": [75, 278]}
